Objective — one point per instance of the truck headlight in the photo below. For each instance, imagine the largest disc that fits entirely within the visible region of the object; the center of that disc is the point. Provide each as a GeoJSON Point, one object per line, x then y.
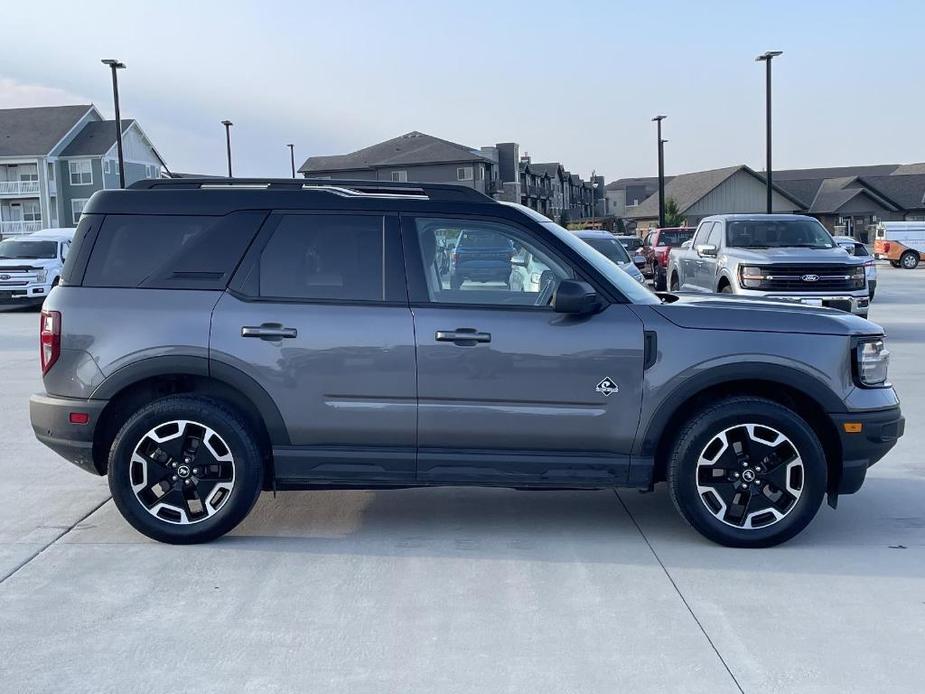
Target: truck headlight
{"type": "Point", "coordinates": [858, 277]}
{"type": "Point", "coordinates": [872, 360]}
{"type": "Point", "coordinates": [751, 276]}
{"type": "Point", "coordinates": [41, 275]}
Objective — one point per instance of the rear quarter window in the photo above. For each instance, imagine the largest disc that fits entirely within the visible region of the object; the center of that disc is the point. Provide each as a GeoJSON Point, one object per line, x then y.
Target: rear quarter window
{"type": "Point", "coordinates": [170, 251]}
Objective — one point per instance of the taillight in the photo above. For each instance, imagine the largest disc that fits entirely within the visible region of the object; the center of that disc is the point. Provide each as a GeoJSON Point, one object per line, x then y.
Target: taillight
{"type": "Point", "coordinates": [886, 246]}
{"type": "Point", "coordinates": [49, 339]}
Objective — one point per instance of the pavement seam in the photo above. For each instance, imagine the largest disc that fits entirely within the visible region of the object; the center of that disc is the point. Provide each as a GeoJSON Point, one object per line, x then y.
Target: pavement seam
{"type": "Point", "coordinates": [58, 537]}
{"type": "Point", "coordinates": [678, 591]}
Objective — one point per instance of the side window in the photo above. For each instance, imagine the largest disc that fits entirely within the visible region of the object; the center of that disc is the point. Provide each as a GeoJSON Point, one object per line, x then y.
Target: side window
{"type": "Point", "coordinates": [325, 257]}
{"type": "Point", "coordinates": [715, 237]}
{"type": "Point", "coordinates": [703, 232]}
{"type": "Point", "coordinates": [477, 262]}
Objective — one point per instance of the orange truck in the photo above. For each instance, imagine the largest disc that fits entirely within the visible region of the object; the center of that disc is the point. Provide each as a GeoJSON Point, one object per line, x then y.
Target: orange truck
{"type": "Point", "coordinates": [902, 243]}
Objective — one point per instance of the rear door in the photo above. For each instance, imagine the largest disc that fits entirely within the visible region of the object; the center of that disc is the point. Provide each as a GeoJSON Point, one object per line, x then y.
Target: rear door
{"type": "Point", "coordinates": [707, 265]}
{"type": "Point", "coordinates": [510, 392]}
{"type": "Point", "coordinates": [318, 316]}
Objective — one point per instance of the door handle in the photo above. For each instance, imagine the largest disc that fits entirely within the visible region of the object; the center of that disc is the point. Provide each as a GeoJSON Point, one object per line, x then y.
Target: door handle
{"type": "Point", "coordinates": [268, 331]}
{"type": "Point", "coordinates": [464, 337]}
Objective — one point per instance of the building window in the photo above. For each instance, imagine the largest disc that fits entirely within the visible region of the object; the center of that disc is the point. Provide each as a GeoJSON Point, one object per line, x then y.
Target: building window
{"type": "Point", "coordinates": [31, 212]}
{"type": "Point", "coordinates": [106, 168]}
{"type": "Point", "coordinates": [400, 176]}
{"type": "Point", "coordinates": [77, 208]}
{"type": "Point", "coordinates": [81, 172]}
{"type": "Point", "coordinates": [464, 173]}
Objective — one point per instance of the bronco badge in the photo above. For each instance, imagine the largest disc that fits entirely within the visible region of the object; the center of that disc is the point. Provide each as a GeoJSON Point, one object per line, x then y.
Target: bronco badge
{"type": "Point", "coordinates": [607, 387]}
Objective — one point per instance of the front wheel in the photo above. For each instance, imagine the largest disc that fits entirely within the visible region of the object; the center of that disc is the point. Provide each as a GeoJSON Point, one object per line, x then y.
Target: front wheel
{"type": "Point", "coordinates": [185, 469]}
{"type": "Point", "coordinates": [894, 263]}
{"type": "Point", "coordinates": [909, 260]}
{"type": "Point", "coordinates": [747, 472]}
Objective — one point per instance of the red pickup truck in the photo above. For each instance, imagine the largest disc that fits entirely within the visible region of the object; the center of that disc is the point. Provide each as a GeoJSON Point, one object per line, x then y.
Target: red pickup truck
{"type": "Point", "coordinates": [655, 248]}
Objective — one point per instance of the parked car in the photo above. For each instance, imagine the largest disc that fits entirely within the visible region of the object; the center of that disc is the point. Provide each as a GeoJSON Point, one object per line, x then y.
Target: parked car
{"type": "Point", "coordinates": [789, 257]}
{"type": "Point", "coordinates": [480, 257]}
{"type": "Point", "coordinates": [633, 245]}
{"type": "Point", "coordinates": [902, 243]}
{"type": "Point", "coordinates": [31, 265]}
{"type": "Point", "coordinates": [859, 250]}
{"type": "Point", "coordinates": [209, 342]}
{"type": "Point", "coordinates": [610, 247]}
{"type": "Point", "coordinates": [656, 247]}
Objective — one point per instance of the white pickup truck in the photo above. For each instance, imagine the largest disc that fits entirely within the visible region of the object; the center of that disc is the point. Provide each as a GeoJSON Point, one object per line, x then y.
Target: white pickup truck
{"type": "Point", "coordinates": [31, 265]}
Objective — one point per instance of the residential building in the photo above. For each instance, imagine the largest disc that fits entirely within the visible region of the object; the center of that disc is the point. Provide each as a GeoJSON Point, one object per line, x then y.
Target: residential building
{"type": "Point", "coordinates": [53, 158]}
{"type": "Point", "coordinates": [733, 189]}
{"type": "Point", "coordinates": [496, 170]}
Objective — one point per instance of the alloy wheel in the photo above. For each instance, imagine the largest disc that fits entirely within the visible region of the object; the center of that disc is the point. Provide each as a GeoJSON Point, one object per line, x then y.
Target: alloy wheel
{"type": "Point", "coordinates": [750, 476]}
{"type": "Point", "coordinates": [182, 472]}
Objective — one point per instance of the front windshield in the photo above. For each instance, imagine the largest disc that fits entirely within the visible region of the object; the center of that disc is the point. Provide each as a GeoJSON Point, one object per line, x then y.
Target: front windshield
{"type": "Point", "coordinates": [18, 249]}
{"type": "Point", "coordinates": [609, 248]}
{"type": "Point", "coordinates": [773, 233]}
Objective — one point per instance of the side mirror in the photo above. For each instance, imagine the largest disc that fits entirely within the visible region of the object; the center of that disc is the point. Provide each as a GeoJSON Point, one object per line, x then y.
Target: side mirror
{"type": "Point", "coordinates": [687, 244]}
{"type": "Point", "coordinates": [574, 297]}
{"type": "Point", "coordinates": [639, 260]}
{"type": "Point", "coordinates": [706, 250]}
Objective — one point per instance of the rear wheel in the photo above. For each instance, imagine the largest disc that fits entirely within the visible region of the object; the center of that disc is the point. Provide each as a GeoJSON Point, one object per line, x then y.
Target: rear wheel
{"type": "Point", "coordinates": [725, 289]}
{"type": "Point", "coordinates": [909, 260]}
{"type": "Point", "coordinates": [185, 469]}
{"type": "Point", "coordinates": [747, 472]}
{"type": "Point", "coordinates": [675, 285]}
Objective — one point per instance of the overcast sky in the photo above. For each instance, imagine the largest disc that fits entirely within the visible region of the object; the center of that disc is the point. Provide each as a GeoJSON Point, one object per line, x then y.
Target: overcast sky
{"type": "Point", "coordinates": [570, 81]}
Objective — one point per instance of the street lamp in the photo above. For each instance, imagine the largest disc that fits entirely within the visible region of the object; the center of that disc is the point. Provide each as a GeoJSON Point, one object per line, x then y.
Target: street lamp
{"type": "Point", "coordinates": [228, 124]}
{"type": "Point", "coordinates": [292, 158]}
{"type": "Point", "coordinates": [767, 58]}
{"type": "Point", "coordinates": [117, 65]}
{"type": "Point", "coordinates": [661, 171]}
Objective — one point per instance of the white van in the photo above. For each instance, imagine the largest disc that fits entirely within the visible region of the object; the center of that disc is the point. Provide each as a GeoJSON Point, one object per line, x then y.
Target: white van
{"type": "Point", "coordinates": [902, 243]}
{"type": "Point", "coordinates": [30, 265]}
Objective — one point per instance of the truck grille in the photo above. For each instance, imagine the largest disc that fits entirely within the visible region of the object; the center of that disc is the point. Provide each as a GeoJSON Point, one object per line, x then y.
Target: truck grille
{"type": "Point", "coordinates": [811, 278]}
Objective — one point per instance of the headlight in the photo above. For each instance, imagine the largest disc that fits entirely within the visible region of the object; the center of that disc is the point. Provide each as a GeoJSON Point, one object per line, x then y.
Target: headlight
{"type": "Point", "coordinates": [872, 359]}
{"type": "Point", "coordinates": [41, 275]}
{"type": "Point", "coordinates": [858, 277]}
{"type": "Point", "coordinates": [752, 276]}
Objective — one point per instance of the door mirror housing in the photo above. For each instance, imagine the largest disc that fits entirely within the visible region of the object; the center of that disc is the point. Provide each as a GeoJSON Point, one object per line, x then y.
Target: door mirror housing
{"type": "Point", "coordinates": [639, 261]}
{"type": "Point", "coordinates": [575, 297]}
{"type": "Point", "coordinates": [706, 250]}
{"type": "Point", "coordinates": [687, 244]}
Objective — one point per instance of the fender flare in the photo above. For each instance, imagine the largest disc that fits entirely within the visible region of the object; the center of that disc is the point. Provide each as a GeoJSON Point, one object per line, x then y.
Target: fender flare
{"type": "Point", "coordinates": [184, 365]}
{"type": "Point", "coordinates": [805, 383]}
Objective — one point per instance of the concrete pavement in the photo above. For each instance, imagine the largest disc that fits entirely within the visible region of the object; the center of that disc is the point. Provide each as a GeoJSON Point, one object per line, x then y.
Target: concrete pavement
{"type": "Point", "coordinates": [460, 590]}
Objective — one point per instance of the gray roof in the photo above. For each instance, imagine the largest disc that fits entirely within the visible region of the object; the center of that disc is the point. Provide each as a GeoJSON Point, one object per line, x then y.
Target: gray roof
{"type": "Point", "coordinates": [96, 138]}
{"type": "Point", "coordinates": [910, 169]}
{"type": "Point", "coordinates": [35, 131]}
{"type": "Point", "coordinates": [624, 183]}
{"type": "Point", "coordinates": [906, 190]}
{"type": "Point", "coordinates": [406, 150]}
{"type": "Point", "coordinates": [687, 189]}
{"type": "Point", "coordinates": [551, 168]}
{"type": "Point", "coordinates": [833, 172]}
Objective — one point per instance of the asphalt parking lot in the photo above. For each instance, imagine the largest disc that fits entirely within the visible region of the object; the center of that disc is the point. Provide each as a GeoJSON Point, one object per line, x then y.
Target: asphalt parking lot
{"type": "Point", "coordinates": [460, 590]}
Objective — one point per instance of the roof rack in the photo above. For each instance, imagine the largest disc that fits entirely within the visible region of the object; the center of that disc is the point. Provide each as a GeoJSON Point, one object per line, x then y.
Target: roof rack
{"type": "Point", "coordinates": [343, 188]}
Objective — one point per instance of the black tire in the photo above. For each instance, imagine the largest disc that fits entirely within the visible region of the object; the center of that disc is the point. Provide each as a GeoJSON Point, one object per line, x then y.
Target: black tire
{"type": "Point", "coordinates": [726, 415]}
{"type": "Point", "coordinates": [675, 285]}
{"type": "Point", "coordinates": [725, 289]}
{"type": "Point", "coordinates": [234, 433]}
{"type": "Point", "coordinates": [660, 281]}
{"type": "Point", "coordinates": [909, 260]}
{"type": "Point", "coordinates": [894, 263]}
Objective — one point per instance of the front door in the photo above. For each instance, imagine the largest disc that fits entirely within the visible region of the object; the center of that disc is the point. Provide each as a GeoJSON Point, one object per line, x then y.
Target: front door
{"type": "Point", "coordinates": [318, 317]}
{"type": "Point", "coordinates": [510, 392]}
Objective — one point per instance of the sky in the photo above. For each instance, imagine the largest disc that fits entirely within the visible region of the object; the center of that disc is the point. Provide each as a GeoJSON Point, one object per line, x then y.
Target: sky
{"type": "Point", "coordinates": [570, 81]}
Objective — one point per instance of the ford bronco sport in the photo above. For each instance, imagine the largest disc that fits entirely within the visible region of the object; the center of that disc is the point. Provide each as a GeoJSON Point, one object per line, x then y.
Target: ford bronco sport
{"type": "Point", "coordinates": [211, 339]}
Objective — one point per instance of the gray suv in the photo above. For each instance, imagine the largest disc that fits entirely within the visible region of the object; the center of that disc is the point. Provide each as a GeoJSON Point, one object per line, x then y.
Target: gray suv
{"type": "Point", "coordinates": [788, 257]}
{"type": "Point", "coordinates": [211, 339]}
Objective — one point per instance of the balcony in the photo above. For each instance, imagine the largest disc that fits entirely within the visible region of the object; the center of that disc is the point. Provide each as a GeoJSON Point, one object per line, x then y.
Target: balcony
{"type": "Point", "coordinates": [19, 188]}
{"type": "Point", "coordinates": [19, 227]}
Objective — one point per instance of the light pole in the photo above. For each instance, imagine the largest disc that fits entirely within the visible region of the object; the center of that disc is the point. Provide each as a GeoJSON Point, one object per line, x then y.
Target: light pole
{"type": "Point", "coordinates": [117, 65]}
{"type": "Point", "coordinates": [661, 171]}
{"type": "Point", "coordinates": [292, 158]}
{"type": "Point", "coordinates": [767, 58]}
{"type": "Point", "coordinates": [228, 124]}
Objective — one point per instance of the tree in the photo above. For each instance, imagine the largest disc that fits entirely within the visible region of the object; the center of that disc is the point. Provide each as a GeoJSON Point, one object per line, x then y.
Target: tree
{"type": "Point", "coordinates": [673, 216]}
{"type": "Point", "coordinates": [621, 227]}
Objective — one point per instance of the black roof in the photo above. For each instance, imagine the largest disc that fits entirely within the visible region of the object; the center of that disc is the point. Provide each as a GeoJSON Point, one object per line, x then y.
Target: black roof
{"type": "Point", "coordinates": [218, 196]}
